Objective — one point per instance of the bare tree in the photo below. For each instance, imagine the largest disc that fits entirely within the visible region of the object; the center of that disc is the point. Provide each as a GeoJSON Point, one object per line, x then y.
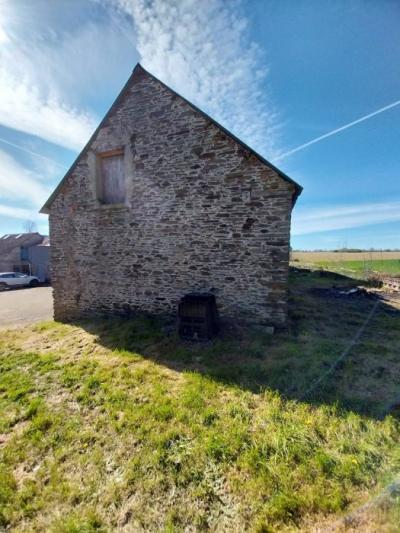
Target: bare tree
{"type": "Point", "coordinates": [29, 226]}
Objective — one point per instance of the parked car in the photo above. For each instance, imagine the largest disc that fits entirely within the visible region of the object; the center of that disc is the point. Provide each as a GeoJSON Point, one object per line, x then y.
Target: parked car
{"type": "Point", "coordinates": [16, 279]}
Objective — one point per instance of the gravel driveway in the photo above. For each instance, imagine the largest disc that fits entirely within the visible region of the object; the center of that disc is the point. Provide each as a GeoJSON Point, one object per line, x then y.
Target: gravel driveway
{"type": "Point", "coordinates": [19, 307]}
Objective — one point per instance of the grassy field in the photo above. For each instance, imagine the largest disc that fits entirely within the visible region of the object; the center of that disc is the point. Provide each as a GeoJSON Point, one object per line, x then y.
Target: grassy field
{"type": "Point", "coordinates": [118, 426]}
{"type": "Point", "coordinates": [345, 256]}
{"type": "Point", "coordinates": [357, 263]}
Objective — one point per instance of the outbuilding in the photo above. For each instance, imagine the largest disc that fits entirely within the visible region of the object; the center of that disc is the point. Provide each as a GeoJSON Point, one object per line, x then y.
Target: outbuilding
{"type": "Point", "coordinates": [162, 202]}
{"type": "Point", "coordinates": [27, 253]}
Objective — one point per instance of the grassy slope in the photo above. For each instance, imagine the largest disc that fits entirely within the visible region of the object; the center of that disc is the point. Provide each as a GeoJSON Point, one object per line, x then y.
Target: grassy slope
{"type": "Point", "coordinates": [116, 426]}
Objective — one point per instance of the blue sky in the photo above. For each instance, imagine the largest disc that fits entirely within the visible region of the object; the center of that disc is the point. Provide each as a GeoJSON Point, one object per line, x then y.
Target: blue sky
{"type": "Point", "coordinates": [277, 73]}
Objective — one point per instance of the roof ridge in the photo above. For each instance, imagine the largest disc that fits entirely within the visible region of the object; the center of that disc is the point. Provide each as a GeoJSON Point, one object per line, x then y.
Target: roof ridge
{"type": "Point", "coordinates": [229, 133]}
{"type": "Point", "coordinates": [139, 68]}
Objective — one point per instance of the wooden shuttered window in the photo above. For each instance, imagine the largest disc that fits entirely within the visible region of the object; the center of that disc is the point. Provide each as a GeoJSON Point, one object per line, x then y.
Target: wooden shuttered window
{"type": "Point", "coordinates": [112, 177]}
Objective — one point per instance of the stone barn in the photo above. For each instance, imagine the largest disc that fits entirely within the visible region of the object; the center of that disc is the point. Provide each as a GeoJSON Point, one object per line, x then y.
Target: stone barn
{"type": "Point", "coordinates": [162, 202]}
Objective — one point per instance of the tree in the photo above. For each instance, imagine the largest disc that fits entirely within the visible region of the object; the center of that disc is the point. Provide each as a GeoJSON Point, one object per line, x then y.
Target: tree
{"type": "Point", "coordinates": [29, 226]}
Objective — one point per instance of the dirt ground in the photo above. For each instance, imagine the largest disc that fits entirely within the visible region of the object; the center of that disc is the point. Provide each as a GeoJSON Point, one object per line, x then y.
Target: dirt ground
{"type": "Point", "coordinates": [19, 307]}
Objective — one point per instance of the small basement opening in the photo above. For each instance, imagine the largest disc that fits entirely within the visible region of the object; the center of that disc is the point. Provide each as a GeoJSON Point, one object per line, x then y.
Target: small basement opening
{"type": "Point", "coordinates": [198, 317]}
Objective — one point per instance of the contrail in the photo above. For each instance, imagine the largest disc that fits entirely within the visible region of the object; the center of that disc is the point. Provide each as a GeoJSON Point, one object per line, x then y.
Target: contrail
{"type": "Point", "coordinates": [337, 130]}
{"type": "Point", "coordinates": [32, 153]}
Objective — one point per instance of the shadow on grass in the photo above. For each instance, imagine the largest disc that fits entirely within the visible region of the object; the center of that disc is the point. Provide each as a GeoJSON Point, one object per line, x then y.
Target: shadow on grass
{"type": "Point", "coordinates": [299, 363]}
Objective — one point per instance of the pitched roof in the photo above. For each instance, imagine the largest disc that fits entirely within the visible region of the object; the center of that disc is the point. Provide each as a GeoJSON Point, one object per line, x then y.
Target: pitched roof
{"type": "Point", "coordinates": [138, 71]}
{"type": "Point", "coordinates": [45, 242]}
{"type": "Point", "coordinates": [13, 240]}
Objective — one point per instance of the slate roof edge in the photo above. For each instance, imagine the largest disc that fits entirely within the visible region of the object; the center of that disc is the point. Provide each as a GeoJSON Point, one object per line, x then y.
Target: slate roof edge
{"type": "Point", "coordinates": [138, 69]}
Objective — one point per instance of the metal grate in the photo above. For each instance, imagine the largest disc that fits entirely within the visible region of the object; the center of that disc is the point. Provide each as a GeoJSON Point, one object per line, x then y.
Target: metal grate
{"type": "Point", "coordinates": [197, 317]}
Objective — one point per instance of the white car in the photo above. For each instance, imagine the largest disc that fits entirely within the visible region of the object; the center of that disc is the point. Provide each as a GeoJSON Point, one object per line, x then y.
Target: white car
{"type": "Point", "coordinates": [16, 279]}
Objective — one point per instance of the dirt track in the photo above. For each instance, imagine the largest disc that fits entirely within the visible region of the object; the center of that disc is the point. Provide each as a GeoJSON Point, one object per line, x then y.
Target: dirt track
{"type": "Point", "coordinates": [19, 307]}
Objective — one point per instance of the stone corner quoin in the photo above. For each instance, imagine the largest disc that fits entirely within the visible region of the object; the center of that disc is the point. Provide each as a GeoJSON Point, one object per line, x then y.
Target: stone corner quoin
{"type": "Point", "coordinates": [202, 213]}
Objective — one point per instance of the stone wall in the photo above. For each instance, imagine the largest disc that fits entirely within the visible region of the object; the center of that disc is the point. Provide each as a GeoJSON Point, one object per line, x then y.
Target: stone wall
{"type": "Point", "coordinates": [202, 214]}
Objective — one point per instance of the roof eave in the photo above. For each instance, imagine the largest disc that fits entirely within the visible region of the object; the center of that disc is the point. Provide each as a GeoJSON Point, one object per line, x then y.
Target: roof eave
{"type": "Point", "coordinates": [298, 188]}
{"type": "Point", "coordinates": [138, 68]}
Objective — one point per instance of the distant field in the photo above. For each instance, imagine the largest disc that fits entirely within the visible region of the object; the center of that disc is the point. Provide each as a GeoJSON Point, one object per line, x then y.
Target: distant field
{"type": "Point", "coordinates": [344, 256]}
{"type": "Point", "coordinates": [357, 262]}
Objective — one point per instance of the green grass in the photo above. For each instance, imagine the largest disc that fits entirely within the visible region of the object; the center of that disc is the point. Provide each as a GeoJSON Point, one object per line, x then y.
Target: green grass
{"type": "Point", "coordinates": [114, 424]}
{"type": "Point", "coordinates": [359, 268]}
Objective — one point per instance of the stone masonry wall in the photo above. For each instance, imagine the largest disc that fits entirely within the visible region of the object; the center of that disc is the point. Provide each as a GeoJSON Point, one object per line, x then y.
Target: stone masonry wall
{"type": "Point", "coordinates": [202, 214]}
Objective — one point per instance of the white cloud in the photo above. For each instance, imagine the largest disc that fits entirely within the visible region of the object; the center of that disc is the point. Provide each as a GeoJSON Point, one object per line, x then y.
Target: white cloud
{"type": "Point", "coordinates": [77, 65]}
{"type": "Point", "coordinates": [3, 36]}
{"type": "Point", "coordinates": [199, 48]}
{"type": "Point", "coordinates": [24, 108]}
{"type": "Point", "coordinates": [20, 213]}
{"type": "Point", "coordinates": [202, 50]}
{"type": "Point", "coordinates": [19, 184]}
{"type": "Point", "coordinates": [36, 155]}
{"type": "Point", "coordinates": [41, 71]}
{"type": "Point", "coordinates": [319, 219]}
{"type": "Point", "coordinates": [3, 22]}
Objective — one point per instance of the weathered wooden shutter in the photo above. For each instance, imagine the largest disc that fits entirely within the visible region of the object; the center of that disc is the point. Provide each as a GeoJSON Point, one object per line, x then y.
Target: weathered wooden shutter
{"type": "Point", "coordinates": [113, 179]}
